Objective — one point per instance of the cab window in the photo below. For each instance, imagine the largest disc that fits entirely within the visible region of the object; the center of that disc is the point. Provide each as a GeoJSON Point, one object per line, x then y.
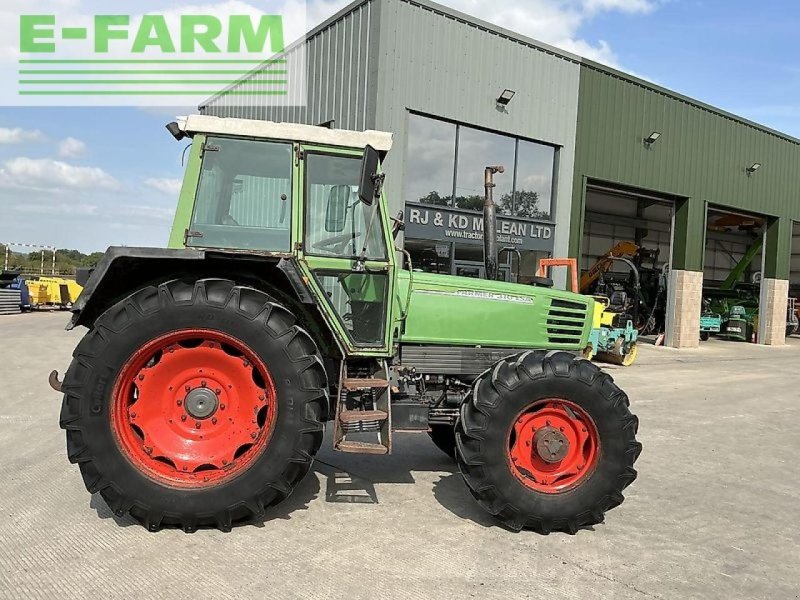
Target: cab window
{"type": "Point", "coordinates": [338, 224]}
{"type": "Point", "coordinates": [244, 196]}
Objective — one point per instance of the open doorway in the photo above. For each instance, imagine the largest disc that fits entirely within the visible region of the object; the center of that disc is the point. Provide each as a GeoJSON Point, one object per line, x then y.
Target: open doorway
{"type": "Point", "coordinates": [793, 316]}
{"type": "Point", "coordinates": [732, 275]}
{"type": "Point", "coordinates": [627, 247]}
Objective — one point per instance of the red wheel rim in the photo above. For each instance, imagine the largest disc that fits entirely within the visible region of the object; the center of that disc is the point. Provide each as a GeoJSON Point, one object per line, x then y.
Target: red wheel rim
{"type": "Point", "coordinates": [193, 408]}
{"type": "Point", "coordinates": [553, 446]}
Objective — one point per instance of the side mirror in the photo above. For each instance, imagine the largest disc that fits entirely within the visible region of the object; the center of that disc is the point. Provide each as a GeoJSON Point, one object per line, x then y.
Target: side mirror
{"type": "Point", "coordinates": [336, 213]}
{"type": "Point", "coordinates": [370, 182]}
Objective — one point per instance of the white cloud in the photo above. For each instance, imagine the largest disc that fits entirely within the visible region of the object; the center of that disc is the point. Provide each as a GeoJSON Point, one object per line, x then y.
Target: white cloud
{"type": "Point", "coordinates": [171, 187]}
{"type": "Point", "coordinates": [52, 175]}
{"type": "Point", "coordinates": [20, 136]}
{"type": "Point", "coordinates": [71, 148]}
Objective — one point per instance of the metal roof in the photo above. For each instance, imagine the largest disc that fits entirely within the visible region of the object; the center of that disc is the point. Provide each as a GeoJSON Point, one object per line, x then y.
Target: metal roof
{"type": "Point", "coordinates": [541, 46]}
{"type": "Point", "coordinates": [309, 134]}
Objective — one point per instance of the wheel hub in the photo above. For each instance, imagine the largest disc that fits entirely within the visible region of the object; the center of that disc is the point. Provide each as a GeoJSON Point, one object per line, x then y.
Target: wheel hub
{"type": "Point", "coordinates": [193, 408]}
{"type": "Point", "coordinates": [201, 403]}
{"type": "Point", "coordinates": [551, 445]}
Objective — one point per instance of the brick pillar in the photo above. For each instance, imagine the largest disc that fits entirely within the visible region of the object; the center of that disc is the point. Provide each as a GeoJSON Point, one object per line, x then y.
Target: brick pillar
{"type": "Point", "coordinates": [684, 304]}
{"type": "Point", "coordinates": [772, 312]}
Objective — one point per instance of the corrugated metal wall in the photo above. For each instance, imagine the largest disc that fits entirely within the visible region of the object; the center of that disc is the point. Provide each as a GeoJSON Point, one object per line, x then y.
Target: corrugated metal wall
{"type": "Point", "coordinates": [438, 62]}
{"type": "Point", "coordinates": [339, 59]}
{"type": "Point", "coordinates": [702, 155]}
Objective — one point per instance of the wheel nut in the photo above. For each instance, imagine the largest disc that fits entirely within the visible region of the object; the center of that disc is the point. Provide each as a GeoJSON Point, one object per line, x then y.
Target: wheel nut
{"type": "Point", "coordinates": [141, 377]}
{"type": "Point", "coordinates": [180, 402]}
{"type": "Point", "coordinates": [148, 450]}
{"type": "Point", "coordinates": [198, 425]}
{"type": "Point", "coordinates": [214, 421]}
{"type": "Point", "coordinates": [188, 388]}
{"type": "Point", "coordinates": [224, 462]}
{"type": "Point", "coordinates": [183, 417]}
{"type": "Point", "coordinates": [254, 435]}
{"type": "Point", "coordinates": [217, 391]}
{"type": "Point", "coordinates": [203, 384]}
{"type": "Point", "coordinates": [222, 407]}
{"type": "Point", "coordinates": [133, 415]}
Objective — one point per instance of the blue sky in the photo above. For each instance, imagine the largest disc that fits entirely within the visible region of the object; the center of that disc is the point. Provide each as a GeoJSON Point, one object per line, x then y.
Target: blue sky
{"type": "Point", "coordinates": [89, 178]}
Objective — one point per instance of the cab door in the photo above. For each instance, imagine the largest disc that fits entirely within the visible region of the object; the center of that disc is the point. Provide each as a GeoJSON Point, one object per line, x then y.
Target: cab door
{"type": "Point", "coordinates": [335, 229]}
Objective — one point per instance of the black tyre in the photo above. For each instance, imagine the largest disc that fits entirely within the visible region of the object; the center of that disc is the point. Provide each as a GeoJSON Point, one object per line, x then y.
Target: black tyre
{"type": "Point", "coordinates": [444, 437]}
{"type": "Point", "coordinates": [194, 404]}
{"type": "Point", "coordinates": [704, 335]}
{"type": "Point", "coordinates": [546, 441]}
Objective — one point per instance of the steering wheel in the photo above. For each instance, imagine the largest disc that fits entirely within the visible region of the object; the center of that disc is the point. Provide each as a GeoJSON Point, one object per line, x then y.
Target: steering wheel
{"type": "Point", "coordinates": [333, 243]}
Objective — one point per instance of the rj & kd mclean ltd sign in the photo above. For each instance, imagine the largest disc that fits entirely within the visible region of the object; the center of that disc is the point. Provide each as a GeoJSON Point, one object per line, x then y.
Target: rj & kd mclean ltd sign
{"type": "Point", "coordinates": [450, 225]}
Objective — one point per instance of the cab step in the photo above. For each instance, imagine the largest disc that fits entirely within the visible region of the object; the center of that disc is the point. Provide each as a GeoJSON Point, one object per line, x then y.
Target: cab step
{"type": "Point", "coordinates": [363, 408]}
{"type": "Point", "coordinates": [354, 384]}
{"type": "Point", "coordinates": [362, 416]}
{"type": "Point", "coordinates": [362, 448]}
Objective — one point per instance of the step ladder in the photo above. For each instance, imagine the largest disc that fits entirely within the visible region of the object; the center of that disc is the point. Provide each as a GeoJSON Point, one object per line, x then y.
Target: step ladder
{"type": "Point", "coordinates": [363, 408]}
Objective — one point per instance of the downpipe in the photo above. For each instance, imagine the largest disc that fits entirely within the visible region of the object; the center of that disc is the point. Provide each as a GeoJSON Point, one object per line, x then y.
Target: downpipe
{"type": "Point", "coordinates": [490, 256]}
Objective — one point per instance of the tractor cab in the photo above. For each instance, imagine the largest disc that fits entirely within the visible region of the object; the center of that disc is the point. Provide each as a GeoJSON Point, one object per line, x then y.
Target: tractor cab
{"type": "Point", "coordinates": [306, 194]}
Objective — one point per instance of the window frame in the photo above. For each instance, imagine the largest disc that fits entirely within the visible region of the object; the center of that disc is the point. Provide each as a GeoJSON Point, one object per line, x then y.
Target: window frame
{"type": "Point", "coordinates": [516, 139]}
{"type": "Point", "coordinates": [307, 249]}
{"type": "Point", "coordinates": [208, 139]}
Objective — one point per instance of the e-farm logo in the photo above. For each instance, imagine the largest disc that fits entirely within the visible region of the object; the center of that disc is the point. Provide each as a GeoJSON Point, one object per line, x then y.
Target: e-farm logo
{"type": "Point", "coordinates": [151, 59]}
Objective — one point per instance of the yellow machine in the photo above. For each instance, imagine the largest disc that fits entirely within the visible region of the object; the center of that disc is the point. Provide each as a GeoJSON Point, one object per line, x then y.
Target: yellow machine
{"type": "Point", "coordinates": [53, 291]}
{"type": "Point", "coordinates": [613, 338]}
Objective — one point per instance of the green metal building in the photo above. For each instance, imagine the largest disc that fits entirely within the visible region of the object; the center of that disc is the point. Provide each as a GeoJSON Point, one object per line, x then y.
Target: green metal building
{"type": "Point", "coordinates": [593, 156]}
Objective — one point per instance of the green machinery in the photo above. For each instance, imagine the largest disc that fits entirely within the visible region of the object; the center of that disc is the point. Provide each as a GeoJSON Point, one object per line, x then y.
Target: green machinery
{"type": "Point", "coordinates": [200, 393]}
{"type": "Point", "coordinates": [731, 309]}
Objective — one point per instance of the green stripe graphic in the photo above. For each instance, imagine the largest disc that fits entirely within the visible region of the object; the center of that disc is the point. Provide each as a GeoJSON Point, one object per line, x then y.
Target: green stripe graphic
{"type": "Point", "coordinates": [149, 62]}
{"type": "Point", "coordinates": [149, 93]}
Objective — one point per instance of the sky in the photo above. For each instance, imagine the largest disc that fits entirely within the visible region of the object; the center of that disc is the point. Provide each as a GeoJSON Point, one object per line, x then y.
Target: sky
{"type": "Point", "coordinates": [88, 178]}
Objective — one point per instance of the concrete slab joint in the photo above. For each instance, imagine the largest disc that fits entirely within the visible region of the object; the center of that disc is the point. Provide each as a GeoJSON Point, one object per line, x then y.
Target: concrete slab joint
{"type": "Point", "coordinates": [683, 308]}
{"type": "Point", "coordinates": [772, 312]}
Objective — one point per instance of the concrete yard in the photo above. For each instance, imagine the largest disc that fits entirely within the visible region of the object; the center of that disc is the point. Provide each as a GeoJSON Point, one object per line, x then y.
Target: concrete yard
{"type": "Point", "coordinates": [715, 512]}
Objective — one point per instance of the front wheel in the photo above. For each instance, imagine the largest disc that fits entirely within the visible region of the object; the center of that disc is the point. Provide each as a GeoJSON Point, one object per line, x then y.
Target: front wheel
{"type": "Point", "coordinates": [547, 441]}
{"type": "Point", "coordinates": [194, 404]}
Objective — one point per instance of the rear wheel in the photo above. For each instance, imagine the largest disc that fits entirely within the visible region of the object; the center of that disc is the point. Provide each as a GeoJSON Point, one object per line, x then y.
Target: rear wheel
{"type": "Point", "coordinates": [194, 404]}
{"type": "Point", "coordinates": [547, 442]}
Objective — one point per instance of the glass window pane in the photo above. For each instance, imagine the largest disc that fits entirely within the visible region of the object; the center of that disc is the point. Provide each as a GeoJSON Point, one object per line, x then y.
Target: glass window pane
{"type": "Point", "coordinates": [243, 200]}
{"type": "Point", "coordinates": [534, 181]}
{"type": "Point", "coordinates": [476, 151]}
{"type": "Point", "coordinates": [431, 161]}
{"type": "Point", "coordinates": [360, 300]}
{"type": "Point", "coordinates": [337, 222]}
{"type": "Point", "coordinates": [429, 256]}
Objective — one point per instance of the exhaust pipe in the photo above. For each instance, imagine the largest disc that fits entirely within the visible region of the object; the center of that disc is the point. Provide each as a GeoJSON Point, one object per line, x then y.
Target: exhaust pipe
{"type": "Point", "coordinates": [490, 223]}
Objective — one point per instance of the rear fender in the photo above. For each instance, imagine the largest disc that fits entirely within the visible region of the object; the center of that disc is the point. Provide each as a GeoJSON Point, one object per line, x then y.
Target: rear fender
{"type": "Point", "coordinates": [124, 270]}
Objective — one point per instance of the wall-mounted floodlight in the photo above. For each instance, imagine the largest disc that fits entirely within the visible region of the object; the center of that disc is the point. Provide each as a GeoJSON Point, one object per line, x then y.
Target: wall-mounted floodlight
{"type": "Point", "coordinates": [330, 124]}
{"type": "Point", "coordinates": [506, 97]}
{"type": "Point", "coordinates": [651, 139]}
{"type": "Point", "coordinates": [753, 168]}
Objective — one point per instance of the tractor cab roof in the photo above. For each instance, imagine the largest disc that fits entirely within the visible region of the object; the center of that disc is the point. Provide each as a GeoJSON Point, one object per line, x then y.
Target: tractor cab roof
{"type": "Point", "coordinates": [308, 134]}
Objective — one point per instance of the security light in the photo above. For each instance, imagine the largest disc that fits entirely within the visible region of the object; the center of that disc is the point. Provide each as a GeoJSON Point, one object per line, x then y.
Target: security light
{"type": "Point", "coordinates": [506, 97]}
{"type": "Point", "coordinates": [328, 124]}
{"type": "Point", "coordinates": [753, 168]}
{"type": "Point", "coordinates": [651, 139]}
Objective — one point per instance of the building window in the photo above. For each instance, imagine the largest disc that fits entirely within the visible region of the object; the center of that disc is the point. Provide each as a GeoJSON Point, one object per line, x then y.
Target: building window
{"type": "Point", "coordinates": [431, 161]}
{"type": "Point", "coordinates": [446, 163]}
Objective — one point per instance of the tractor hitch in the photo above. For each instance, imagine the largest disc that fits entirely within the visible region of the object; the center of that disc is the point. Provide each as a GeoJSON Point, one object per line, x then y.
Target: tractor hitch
{"type": "Point", "coordinates": [53, 381]}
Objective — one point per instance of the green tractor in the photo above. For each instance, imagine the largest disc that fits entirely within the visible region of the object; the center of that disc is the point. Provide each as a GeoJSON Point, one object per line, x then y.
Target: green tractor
{"type": "Point", "coordinates": [200, 393]}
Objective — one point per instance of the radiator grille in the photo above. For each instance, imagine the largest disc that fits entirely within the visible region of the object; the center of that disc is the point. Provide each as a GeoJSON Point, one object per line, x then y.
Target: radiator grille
{"type": "Point", "coordinates": [565, 321]}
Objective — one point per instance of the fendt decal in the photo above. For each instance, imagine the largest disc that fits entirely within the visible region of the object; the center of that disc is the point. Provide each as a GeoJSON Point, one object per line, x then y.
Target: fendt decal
{"type": "Point", "coordinates": [480, 296]}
